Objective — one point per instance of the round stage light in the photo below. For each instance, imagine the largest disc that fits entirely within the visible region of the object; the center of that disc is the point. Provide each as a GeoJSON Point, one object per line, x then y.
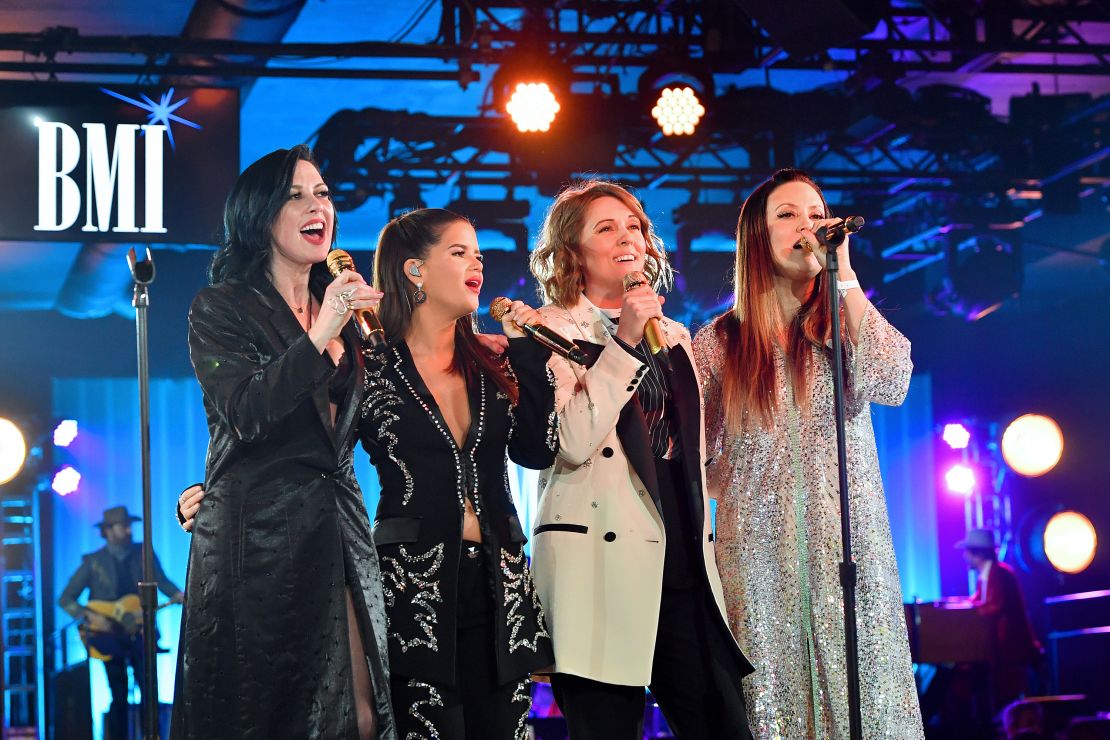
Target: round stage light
{"type": "Point", "coordinates": [66, 480]}
{"type": "Point", "coordinates": [65, 432]}
{"type": "Point", "coordinates": [1032, 445]}
{"type": "Point", "coordinates": [677, 111]}
{"type": "Point", "coordinates": [1070, 542]}
{"type": "Point", "coordinates": [532, 106]}
{"type": "Point", "coordinates": [956, 435]}
{"type": "Point", "coordinates": [960, 479]}
{"type": "Point", "coordinates": [13, 450]}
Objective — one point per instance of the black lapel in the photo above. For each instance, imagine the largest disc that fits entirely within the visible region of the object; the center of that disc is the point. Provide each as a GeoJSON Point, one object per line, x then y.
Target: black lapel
{"type": "Point", "coordinates": [408, 368]}
{"type": "Point", "coordinates": [285, 325]}
{"type": "Point", "coordinates": [633, 433]}
{"type": "Point", "coordinates": [687, 403]}
{"type": "Point", "coordinates": [352, 399]}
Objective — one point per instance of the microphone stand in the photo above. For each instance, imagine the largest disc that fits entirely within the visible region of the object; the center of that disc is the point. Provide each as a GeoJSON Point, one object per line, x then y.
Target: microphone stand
{"type": "Point", "coordinates": [143, 275]}
{"type": "Point", "coordinates": [848, 575]}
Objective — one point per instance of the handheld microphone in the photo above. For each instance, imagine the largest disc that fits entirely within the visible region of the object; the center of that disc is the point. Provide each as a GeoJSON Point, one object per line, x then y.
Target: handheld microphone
{"type": "Point", "coordinates": [833, 236]}
{"type": "Point", "coordinates": [549, 338]}
{"type": "Point", "coordinates": [366, 320]}
{"type": "Point", "coordinates": [653, 333]}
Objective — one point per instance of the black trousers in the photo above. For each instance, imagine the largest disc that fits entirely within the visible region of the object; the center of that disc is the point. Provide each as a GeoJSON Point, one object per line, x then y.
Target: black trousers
{"type": "Point", "coordinates": [474, 706]}
{"type": "Point", "coordinates": [694, 678]}
{"type": "Point", "coordinates": [131, 653]}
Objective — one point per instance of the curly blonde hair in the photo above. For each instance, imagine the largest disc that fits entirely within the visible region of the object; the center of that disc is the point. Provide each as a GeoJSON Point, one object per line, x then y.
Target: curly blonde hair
{"type": "Point", "coordinates": [555, 262]}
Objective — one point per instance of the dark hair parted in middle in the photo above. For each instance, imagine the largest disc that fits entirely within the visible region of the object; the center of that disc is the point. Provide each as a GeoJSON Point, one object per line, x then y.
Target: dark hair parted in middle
{"type": "Point", "coordinates": [410, 236]}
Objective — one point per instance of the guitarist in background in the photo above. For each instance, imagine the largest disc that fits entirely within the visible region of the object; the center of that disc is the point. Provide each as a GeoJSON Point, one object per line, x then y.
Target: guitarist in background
{"type": "Point", "coordinates": [111, 573]}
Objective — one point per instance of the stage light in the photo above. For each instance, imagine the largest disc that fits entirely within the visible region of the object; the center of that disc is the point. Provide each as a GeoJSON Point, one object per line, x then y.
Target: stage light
{"type": "Point", "coordinates": [1032, 445]}
{"type": "Point", "coordinates": [957, 436]}
{"type": "Point", "coordinates": [13, 450]}
{"type": "Point", "coordinates": [677, 91]}
{"type": "Point", "coordinates": [960, 479]}
{"type": "Point", "coordinates": [532, 106]}
{"type": "Point", "coordinates": [65, 432]}
{"type": "Point", "coordinates": [1070, 542]}
{"type": "Point", "coordinates": [677, 111]}
{"type": "Point", "coordinates": [66, 480]}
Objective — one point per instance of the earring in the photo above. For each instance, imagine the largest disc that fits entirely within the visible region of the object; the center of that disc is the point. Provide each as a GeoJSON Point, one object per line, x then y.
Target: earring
{"type": "Point", "coordinates": [419, 296]}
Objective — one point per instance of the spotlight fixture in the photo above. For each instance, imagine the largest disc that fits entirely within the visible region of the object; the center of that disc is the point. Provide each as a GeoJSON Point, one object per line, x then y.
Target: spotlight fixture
{"type": "Point", "coordinates": [677, 111]}
{"type": "Point", "coordinates": [960, 479]}
{"type": "Point", "coordinates": [532, 106]}
{"type": "Point", "coordinates": [1070, 542]}
{"type": "Point", "coordinates": [1032, 445]}
{"type": "Point", "coordinates": [956, 436]}
{"type": "Point", "coordinates": [531, 90]}
{"type": "Point", "coordinates": [676, 90]}
{"type": "Point", "coordinates": [65, 432]}
{"type": "Point", "coordinates": [66, 480]}
{"type": "Point", "coordinates": [13, 450]}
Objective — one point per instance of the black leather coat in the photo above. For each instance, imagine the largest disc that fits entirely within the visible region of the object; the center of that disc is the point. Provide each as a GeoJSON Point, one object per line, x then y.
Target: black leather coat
{"type": "Point", "coordinates": [418, 528]}
{"type": "Point", "coordinates": [280, 534]}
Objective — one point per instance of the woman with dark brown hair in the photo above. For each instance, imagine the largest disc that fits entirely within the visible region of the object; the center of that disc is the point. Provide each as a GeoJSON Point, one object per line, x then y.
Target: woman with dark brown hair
{"type": "Point", "coordinates": [622, 546]}
{"type": "Point", "coordinates": [767, 383]}
{"type": "Point", "coordinates": [440, 419]}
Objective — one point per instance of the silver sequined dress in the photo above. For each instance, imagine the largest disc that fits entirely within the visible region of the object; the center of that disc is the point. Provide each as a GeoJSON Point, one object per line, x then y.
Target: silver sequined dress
{"type": "Point", "coordinates": [778, 546]}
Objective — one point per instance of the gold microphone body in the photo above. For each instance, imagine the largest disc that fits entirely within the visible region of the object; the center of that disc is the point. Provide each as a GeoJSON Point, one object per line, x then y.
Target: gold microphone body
{"type": "Point", "coordinates": [366, 319]}
{"type": "Point", "coordinates": [653, 333]}
{"type": "Point", "coordinates": [549, 338]}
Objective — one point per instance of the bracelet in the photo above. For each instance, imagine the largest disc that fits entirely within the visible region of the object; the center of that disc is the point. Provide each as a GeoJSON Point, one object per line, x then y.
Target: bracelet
{"type": "Point", "coordinates": [845, 285]}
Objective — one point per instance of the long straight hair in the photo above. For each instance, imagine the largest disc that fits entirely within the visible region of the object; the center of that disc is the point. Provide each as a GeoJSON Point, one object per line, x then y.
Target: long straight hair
{"type": "Point", "coordinates": [410, 236]}
{"type": "Point", "coordinates": [756, 325]}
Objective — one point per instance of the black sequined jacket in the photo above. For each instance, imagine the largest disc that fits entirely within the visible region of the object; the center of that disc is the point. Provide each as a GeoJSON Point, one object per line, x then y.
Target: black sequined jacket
{"type": "Point", "coordinates": [425, 478]}
{"type": "Point", "coordinates": [281, 534]}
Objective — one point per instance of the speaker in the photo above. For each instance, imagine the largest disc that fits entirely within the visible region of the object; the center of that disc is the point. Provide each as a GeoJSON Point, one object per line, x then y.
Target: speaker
{"type": "Point", "coordinates": [812, 26]}
{"type": "Point", "coordinates": [72, 706]}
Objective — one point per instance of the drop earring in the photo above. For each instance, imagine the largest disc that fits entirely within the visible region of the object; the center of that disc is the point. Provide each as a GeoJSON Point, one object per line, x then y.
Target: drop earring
{"type": "Point", "coordinates": [419, 296]}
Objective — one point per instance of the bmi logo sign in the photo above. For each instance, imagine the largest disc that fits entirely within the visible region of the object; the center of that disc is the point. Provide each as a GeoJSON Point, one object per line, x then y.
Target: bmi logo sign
{"type": "Point", "coordinates": [109, 179]}
{"type": "Point", "coordinates": [125, 164]}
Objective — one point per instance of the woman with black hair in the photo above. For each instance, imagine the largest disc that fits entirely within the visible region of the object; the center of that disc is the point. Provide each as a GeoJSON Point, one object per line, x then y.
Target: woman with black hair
{"type": "Point", "coordinates": [440, 417]}
{"type": "Point", "coordinates": [283, 634]}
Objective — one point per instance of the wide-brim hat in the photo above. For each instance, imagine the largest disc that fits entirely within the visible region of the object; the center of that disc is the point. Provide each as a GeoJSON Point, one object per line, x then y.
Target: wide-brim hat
{"type": "Point", "coordinates": [117, 515]}
{"type": "Point", "coordinates": [982, 539]}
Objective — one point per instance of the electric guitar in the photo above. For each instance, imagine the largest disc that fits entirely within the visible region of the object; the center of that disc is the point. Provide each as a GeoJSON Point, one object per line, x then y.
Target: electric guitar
{"type": "Point", "coordinates": [125, 620]}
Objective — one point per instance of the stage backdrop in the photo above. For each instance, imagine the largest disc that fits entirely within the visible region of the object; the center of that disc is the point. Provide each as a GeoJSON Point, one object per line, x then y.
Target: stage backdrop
{"type": "Point", "coordinates": [106, 453]}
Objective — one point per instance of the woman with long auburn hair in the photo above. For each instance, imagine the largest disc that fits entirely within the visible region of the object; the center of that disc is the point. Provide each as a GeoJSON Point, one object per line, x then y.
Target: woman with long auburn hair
{"type": "Point", "coordinates": [767, 383]}
{"type": "Point", "coordinates": [622, 545]}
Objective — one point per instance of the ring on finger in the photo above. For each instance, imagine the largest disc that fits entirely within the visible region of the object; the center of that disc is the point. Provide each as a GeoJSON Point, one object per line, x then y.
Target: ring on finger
{"type": "Point", "coordinates": [337, 304]}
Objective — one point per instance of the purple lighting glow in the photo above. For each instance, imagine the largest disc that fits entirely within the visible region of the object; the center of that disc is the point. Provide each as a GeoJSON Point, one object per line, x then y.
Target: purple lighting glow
{"type": "Point", "coordinates": [960, 479]}
{"type": "Point", "coordinates": [66, 481]}
{"type": "Point", "coordinates": [956, 435]}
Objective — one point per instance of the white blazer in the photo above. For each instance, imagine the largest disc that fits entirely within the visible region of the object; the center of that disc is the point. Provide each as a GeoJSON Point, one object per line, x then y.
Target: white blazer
{"type": "Point", "coordinates": [598, 542]}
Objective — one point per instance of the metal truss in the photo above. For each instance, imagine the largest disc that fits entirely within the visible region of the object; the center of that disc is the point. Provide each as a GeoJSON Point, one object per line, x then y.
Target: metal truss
{"type": "Point", "coordinates": [597, 36]}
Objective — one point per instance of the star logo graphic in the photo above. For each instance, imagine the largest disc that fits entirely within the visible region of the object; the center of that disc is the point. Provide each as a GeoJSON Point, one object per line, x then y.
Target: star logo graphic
{"type": "Point", "coordinates": [160, 113]}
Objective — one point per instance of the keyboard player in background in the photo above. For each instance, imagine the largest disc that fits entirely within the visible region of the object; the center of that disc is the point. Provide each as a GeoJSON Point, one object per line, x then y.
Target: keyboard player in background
{"type": "Point", "coordinates": [1014, 647]}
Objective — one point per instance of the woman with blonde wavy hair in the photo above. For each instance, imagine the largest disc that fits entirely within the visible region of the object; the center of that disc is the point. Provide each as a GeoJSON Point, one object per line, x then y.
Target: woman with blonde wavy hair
{"type": "Point", "coordinates": [622, 545]}
{"type": "Point", "coordinates": [767, 383]}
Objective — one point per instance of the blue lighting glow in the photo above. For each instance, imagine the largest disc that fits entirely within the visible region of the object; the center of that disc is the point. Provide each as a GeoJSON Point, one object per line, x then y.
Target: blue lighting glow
{"type": "Point", "coordinates": [160, 113]}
